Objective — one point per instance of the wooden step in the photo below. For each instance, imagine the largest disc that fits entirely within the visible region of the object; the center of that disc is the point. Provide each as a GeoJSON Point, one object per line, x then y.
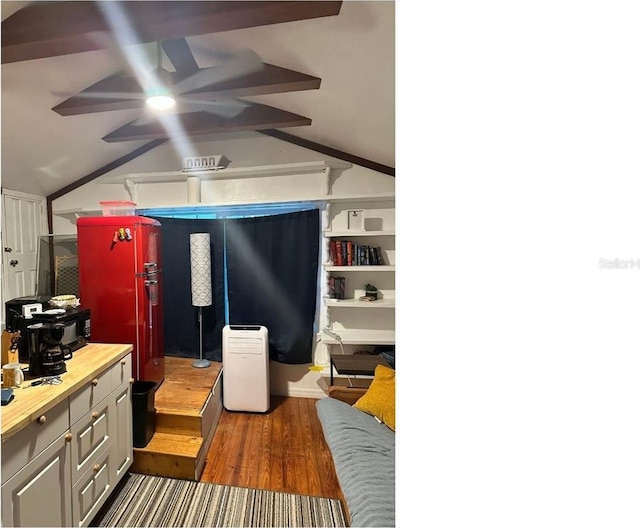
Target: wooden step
{"type": "Point", "coordinates": [184, 416]}
{"type": "Point", "coordinates": [170, 455]}
{"type": "Point", "coordinates": [188, 405]}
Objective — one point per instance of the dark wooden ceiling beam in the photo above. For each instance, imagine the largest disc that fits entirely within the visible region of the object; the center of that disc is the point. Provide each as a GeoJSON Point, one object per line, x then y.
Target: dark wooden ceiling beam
{"type": "Point", "coordinates": [271, 79]}
{"type": "Point", "coordinates": [254, 117]}
{"type": "Point", "coordinates": [330, 151]}
{"type": "Point", "coordinates": [49, 29]}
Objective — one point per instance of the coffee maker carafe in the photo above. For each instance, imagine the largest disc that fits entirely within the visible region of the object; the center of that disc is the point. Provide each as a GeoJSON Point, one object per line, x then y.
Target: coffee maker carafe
{"type": "Point", "coordinates": [46, 354]}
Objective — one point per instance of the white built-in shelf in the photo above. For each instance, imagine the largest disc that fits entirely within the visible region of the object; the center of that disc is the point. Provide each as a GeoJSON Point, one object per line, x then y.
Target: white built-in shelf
{"type": "Point", "coordinates": [362, 337]}
{"type": "Point", "coordinates": [325, 168]}
{"type": "Point", "coordinates": [355, 234]}
{"type": "Point", "coordinates": [356, 303]}
{"type": "Point", "coordinates": [377, 197]}
{"type": "Point", "coordinates": [282, 169]}
{"type": "Point", "coordinates": [73, 214]}
{"type": "Point", "coordinates": [329, 267]}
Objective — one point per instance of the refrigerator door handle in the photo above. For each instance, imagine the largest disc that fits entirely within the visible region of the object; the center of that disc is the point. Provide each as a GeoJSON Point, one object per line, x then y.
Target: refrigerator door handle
{"type": "Point", "coordinates": [152, 300]}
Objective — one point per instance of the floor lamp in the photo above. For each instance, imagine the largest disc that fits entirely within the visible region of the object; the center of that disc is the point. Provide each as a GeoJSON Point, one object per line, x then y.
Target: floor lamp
{"type": "Point", "coordinates": [200, 282]}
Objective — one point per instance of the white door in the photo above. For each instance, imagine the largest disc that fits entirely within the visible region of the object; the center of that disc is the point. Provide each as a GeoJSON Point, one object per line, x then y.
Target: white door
{"type": "Point", "coordinates": [23, 221]}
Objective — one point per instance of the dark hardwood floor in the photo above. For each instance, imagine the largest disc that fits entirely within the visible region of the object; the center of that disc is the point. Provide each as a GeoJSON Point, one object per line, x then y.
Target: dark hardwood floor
{"type": "Point", "coordinates": [281, 450]}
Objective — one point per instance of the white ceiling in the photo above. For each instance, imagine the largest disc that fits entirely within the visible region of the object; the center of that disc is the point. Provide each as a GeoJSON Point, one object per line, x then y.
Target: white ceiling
{"type": "Point", "coordinates": [353, 110]}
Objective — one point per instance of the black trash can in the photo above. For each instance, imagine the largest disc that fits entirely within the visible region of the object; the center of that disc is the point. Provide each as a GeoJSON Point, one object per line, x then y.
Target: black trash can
{"type": "Point", "coordinates": [143, 397]}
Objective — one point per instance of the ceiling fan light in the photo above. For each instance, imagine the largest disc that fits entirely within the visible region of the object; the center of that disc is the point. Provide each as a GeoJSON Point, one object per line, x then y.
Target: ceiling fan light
{"type": "Point", "coordinates": [160, 102]}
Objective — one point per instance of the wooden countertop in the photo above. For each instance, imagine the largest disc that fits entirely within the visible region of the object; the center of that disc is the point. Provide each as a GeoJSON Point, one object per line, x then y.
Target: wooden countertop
{"type": "Point", "coordinates": [29, 403]}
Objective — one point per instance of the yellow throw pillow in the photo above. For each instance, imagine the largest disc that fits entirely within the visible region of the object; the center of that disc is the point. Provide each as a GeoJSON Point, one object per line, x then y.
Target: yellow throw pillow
{"type": "Point", "coordinates": [380, 398]}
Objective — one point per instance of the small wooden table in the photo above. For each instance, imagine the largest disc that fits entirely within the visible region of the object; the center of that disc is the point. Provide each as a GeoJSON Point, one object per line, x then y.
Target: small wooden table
{"type": "Point", "coordinates": [355, 364]}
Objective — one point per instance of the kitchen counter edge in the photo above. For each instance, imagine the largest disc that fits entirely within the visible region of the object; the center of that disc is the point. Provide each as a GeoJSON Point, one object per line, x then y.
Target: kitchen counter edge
{"type": "Point", "coordinates": [30, 403]}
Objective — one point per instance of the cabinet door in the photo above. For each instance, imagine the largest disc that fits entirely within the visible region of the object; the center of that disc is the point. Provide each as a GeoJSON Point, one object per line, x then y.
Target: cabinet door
{"type": "Point", "coordinates": [40, 493]}
{"type": "Point", "coordinates": [123, 434]}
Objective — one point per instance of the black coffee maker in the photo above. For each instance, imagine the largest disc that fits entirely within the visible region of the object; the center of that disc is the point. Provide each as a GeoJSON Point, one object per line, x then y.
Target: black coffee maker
{"type": "Point", "coordinates": [46, 353]}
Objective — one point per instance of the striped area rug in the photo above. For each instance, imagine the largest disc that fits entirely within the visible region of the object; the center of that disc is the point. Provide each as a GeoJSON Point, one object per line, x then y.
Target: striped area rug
{"type": "Point", "coordinates": [146, 500]}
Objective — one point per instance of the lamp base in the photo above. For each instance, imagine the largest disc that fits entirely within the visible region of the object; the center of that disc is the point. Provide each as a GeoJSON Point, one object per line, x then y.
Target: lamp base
{"type": "Point", "coordinates": [201, 363]}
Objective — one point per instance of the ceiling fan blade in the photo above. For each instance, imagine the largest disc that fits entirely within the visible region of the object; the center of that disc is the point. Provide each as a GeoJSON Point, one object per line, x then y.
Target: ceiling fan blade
{"type": "Point", "coordinates": [224, 107]}
{"type": "Point", "coordinates": [144, 120]}
{"type": "Point", "coordinates": [103, 95]}
{"type": "Point", "coordinates": [227, 108]}
{"type": "Point", "coordinates": [241, 63]}
{"type": "Point", "coordinates": [131, 57]}
{"type": "Point", "coordinates": [219, 100]}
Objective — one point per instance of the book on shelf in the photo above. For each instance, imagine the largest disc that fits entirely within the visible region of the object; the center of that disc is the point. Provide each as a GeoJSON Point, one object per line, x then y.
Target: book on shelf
{"type": "Point", "coordinates": [337, 287]}
{"type": "Point", "coordinates": [377, 259]}
{"type": "Point", "coordinates": [374, 256]}
{"type": "Point", "coordinates": [348, 253]}
{"type": "Point", "coordinates": [339, 261]}
{"type": "Point", "coordinates": [333, 255]}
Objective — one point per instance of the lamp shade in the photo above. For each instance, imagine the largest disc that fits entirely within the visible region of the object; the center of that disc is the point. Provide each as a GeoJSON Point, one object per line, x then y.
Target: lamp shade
{"type": "Point", "coordinates": [200, 269]}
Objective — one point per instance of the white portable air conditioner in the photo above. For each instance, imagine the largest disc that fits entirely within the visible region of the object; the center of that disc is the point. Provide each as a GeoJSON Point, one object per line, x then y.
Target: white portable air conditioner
{"type": "Point", "coordinates": [245, 368]}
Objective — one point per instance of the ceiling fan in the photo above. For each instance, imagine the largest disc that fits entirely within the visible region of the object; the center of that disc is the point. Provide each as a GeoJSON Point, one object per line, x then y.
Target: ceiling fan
{"type": "Point", "coordinates": [164, 91]}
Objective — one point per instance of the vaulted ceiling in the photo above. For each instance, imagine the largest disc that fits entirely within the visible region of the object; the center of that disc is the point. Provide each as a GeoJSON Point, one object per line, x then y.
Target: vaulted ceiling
{"type": "Point", "coordinates": [75, 75]}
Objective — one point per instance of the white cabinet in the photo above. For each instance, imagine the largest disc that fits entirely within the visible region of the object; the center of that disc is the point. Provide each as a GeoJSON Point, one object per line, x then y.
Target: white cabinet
{"type": "Point", "coordinates": [121, 419]}
{"type": "Point", "coordinates": [40, 493]}
{"type": "Point", "coordinates": [123, 442]}
{"type": "Point", "coordinates": [61, 468]}
{"type": "Point", "coordinates": [350, 322]}
{"type": "Point", "coordinates": [102, 445]}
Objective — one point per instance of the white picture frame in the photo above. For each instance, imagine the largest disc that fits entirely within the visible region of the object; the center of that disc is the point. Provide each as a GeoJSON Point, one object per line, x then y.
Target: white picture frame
{"type": "Point", "coordinates": [355, 219]}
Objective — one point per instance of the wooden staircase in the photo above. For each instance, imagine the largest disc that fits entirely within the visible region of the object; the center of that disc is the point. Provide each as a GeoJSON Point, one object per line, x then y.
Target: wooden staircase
{"type": "Point", "coordinates": [188, 405]}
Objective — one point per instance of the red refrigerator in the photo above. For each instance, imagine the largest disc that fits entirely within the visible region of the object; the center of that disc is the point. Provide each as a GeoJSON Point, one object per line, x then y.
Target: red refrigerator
{"type": "Point", "coordinates": [120, 271]}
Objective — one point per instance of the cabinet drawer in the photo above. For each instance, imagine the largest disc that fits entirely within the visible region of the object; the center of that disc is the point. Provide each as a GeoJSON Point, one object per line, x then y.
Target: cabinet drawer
{"type": "Point", "coordinates": [24, 446]}
{"type": "Point", "coordinates": [92, 489]}
{"type": "Point", "coordinates": [89, 396]}
{"type": "Point", "coordinates": [90, 435]}
{"type": "Point", "coordinates": [121, 372]}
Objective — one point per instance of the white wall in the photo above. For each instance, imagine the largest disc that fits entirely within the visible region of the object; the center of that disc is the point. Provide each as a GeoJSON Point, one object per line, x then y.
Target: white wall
{"type": "Point", "coordinates": [244, 150]}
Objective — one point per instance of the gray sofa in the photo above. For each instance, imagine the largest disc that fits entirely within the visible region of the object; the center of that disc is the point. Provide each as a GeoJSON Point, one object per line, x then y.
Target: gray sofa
{"type": "Point", "coordinates": [363, 452]}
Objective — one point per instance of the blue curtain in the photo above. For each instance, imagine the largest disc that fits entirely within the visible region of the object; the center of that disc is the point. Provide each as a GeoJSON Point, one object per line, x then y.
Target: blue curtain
{"type": "Point", "coordinates": [272, 270]}
{"type": "Point", "coordinates": [272, 280]}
